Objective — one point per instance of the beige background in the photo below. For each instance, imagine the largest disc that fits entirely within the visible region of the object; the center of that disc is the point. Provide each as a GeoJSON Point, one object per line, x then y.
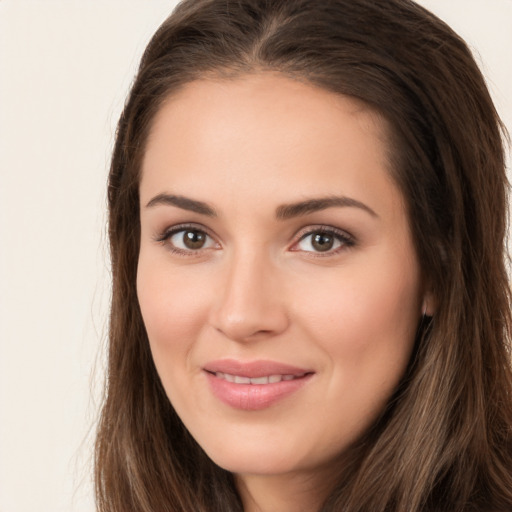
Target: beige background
{"type": "Point", "coordinates": [65, 67]}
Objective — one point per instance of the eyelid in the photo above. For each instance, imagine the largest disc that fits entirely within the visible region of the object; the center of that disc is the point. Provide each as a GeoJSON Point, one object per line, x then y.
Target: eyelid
{"type": "Point", "coordinates": [176, 228]}
{"type": "Point", "coordinates": [347, 240]}
{"type": "Point", "coordinates": [164, 236]}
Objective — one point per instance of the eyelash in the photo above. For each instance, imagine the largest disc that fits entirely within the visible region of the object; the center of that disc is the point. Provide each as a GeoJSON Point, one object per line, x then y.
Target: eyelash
{"type": "Point", "coordinates": [345, 240]}
{"type": "Point", "coordinates": [165, 237]}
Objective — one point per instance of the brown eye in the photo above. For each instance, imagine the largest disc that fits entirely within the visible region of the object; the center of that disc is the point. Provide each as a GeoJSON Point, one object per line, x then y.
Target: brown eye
{"type": "Point", "coordinates": [190, 240]}
{"type": "Point", "coordinates": [322, 242]}
{"type": "Point", "coordinates": [194, 239]}
{"type": "Point", "coordinates": [326, 240]}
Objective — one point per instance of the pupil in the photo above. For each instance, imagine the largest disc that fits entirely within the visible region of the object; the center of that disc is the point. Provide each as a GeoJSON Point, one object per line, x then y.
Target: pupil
{"type": "Point", "coordinates": [323, 242]}
{"type": "Point", "coordinates": [194, 239]}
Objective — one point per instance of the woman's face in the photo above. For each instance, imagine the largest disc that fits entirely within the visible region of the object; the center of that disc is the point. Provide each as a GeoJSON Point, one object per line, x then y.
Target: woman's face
{"type": "Point", "coordinates": [277, 277]}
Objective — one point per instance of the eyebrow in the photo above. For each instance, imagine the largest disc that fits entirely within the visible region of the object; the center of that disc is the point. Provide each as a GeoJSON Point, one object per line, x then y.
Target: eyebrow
{"type": "Point", "coordinates": [283, 212]}
{"type": "Point", "coordinates": [184, 203]}
{"type": "Point", "coordinates": [288, 211]}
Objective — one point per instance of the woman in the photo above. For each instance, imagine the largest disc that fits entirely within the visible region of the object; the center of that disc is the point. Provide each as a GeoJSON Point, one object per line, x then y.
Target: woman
{"type": "Point", "coordinates": [310, 305]}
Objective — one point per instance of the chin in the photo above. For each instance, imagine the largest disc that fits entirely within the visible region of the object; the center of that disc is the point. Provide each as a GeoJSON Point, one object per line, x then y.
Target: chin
{"type": "Point", "coordinates": [248, 463]}
{"type": "Point", "coordinates": [266, 455]}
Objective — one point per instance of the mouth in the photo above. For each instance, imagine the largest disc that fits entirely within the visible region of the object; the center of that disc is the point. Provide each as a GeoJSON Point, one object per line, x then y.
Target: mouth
{"type": "Point", "coordinates": [267, 379]}
{"type": "Point", "coordinates": [256, 385]}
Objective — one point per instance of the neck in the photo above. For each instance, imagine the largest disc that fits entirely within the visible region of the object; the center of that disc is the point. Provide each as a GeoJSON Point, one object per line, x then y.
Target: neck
{"type": "Point", "coordinates": [282, 493]}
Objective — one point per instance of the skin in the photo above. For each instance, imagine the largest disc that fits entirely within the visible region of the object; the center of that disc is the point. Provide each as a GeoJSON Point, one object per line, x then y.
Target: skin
{"type": "Point", "coordinates": [259, 289]}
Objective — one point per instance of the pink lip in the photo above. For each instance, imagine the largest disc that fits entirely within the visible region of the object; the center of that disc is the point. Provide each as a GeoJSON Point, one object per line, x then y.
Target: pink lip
{"type": "Point", "coordinates": [253, 369]}
{"type": "Point", "coordinates": [252, 397]}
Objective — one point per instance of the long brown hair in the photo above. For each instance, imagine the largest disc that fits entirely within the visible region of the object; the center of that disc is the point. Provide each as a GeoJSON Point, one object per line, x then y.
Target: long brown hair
{"type": "Point", "coordinates": [444, 443]}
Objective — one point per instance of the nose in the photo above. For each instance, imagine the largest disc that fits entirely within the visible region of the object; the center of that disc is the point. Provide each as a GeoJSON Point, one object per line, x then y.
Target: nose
{"type": "Point", "coordinates": [250, 304]}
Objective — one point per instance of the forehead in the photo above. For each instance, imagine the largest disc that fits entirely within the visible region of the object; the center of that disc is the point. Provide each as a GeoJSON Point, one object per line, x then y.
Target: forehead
{"type": "Point", "coordinates": [265, 99]}
{"type": "Point", "coordinates": [259, 130]}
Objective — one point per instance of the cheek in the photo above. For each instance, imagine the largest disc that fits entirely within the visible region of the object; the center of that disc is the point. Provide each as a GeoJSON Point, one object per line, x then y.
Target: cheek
{"type": "Point", "coordinates": [366, 316]}
{"type": "Point", "coordinates": [366, 325]}
{"type": "Point", "coordinates": [172, 308]}
{"type": "Point", "coordinates": [389, 306]}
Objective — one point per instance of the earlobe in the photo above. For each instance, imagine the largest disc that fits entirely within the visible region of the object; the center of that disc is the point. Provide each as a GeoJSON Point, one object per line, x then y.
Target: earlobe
{"type": "Point", "coordinates": [429, 305]}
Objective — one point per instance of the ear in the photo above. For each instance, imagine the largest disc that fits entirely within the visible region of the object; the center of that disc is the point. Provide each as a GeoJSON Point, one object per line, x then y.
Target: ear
{"type": "Point", "coordinates": [429, 304]}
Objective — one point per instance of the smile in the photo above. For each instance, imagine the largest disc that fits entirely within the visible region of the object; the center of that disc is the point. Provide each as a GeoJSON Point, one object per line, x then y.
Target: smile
{"type": "Point", "coordinates": [270, 379]}
{"type": "Point", "coordinates": [255, 385]}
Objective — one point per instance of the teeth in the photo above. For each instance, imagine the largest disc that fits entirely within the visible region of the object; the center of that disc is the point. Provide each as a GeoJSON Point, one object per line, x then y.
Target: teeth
{"type": "Point", "coordinates": [259, 380]}
{"type": "Point", "coordinates": [271, 379]}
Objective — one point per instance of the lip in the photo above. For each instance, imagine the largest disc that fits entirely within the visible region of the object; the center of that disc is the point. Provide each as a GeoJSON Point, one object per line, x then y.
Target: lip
{"type": "Point", "coordinates": [253, 397]}
{"type": "Point", "coordinates": [254, 369]}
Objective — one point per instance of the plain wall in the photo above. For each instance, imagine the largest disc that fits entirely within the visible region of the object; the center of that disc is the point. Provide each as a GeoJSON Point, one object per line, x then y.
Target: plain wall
{"type": "Point", "coordinates": [65, 68]}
